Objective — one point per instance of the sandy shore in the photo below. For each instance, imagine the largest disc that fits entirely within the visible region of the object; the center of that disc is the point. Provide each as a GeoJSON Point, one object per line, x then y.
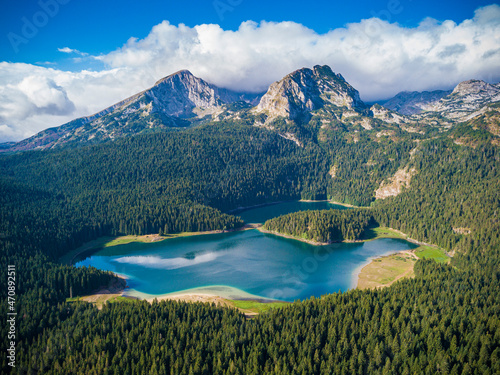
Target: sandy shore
{"type": "Point", "coordinates": [204, 292]}
{"type": "Point", "coordinates": [220, 295]}
{"type": "Point", "coordinates": [346, 205]}
{"type": "Point", "coordinates": [115, 289]}
{"type": "Point", "coordinates": [384, 271]}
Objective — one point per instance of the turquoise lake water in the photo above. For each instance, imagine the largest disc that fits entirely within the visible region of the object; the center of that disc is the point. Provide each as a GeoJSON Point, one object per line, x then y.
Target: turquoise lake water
{"type": "Point", "coordinates": [260, 264]}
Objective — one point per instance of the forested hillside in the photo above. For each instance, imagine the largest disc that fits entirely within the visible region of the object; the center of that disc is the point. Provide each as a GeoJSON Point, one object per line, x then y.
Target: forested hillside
{"type": "Point", "coordinates": [443, 321]}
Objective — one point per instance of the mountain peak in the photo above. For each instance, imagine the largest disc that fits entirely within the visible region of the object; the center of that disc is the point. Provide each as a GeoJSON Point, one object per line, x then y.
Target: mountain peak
{"type": "Point", "coordinates": [474, 86]}
{"type": "Point", "coordinates": [173, 101]}
{"type": "Point", "coordinates": [181, 74]}
{"type": "Point", "coordinates": [466, 99]}
{"type": "Point", "coordinates": [325, 72]}
{"type": "Point", "coordinates": [305, 90]}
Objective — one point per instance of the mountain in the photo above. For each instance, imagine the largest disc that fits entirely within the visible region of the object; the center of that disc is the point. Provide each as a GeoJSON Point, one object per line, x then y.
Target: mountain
{"type": "Point", "coordinates": [414, 102]}
{"type": "Point", "coordinates": [303, 97]}
{"type": "Point", "coordinates": [6, 145]}
{"type": "Point", "coordinates": [174, 101]}
{"type": "Point", "coordinates": [466, 99]}
{"type": "Point", "coordinates": [306, 90]}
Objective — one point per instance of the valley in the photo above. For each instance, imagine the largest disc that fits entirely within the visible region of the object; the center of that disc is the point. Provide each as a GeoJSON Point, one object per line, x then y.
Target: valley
{"type": "Point", "coordinates": [184, 157]}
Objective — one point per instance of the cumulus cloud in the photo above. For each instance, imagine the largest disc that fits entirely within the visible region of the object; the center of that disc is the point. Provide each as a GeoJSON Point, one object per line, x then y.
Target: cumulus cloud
{"type": "Point", "coordinates": [45, 96]}
{"type": "Point", "coordinates": [377, 57]}
{"type": "Point", "coordinates": [33, 98]}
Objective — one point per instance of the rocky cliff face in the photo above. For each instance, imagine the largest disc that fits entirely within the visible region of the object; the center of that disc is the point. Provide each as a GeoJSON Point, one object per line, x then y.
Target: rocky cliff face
{"type": "Point", "coordinates": [396, 183]}
{"type": "Point", "coordinates": [412, 103]}
{"type": "Point", "coordinates": [306, 90]}
{"type": "Point", "coordinates": [183, 95]}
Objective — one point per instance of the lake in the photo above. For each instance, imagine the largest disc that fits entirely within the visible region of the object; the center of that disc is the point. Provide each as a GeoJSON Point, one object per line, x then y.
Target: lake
{"type": "Point", "coordinates": [245, 264]}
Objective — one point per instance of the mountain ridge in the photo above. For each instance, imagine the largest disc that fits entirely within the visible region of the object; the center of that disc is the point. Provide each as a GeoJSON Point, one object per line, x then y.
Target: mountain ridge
{"type": "Point", "coordinates": [181, 99]}
{"type": "Point", "coordinates": [174, 101]}
{"type": "Point", "coordinates": [456, 105]}
{"type": "Point", "coordinates": [414, 102]}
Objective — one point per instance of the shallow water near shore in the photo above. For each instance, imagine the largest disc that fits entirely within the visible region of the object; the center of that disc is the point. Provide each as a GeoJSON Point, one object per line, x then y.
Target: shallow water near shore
{"type": "Point", "coordinates": [250, 263]}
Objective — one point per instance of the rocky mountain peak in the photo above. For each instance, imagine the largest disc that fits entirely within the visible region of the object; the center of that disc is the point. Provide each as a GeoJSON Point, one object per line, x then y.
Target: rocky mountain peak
{"type": "Point", "coordinates": [180, 75]}
{"type": "Point", "coordinates": [305, 90]}
{"type": "Point", "coordinates": [475, 87]}
{"type": "Point", "coordinates": [180, 93]}
{"type": "Point", "coordinates": [467, 98]}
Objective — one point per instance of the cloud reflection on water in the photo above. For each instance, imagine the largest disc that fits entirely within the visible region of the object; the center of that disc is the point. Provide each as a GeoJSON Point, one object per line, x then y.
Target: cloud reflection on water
{"type": "Point", "coordinates": [167, 263]}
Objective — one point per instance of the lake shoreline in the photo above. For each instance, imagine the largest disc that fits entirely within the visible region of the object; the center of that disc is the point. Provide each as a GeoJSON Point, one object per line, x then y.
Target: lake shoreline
{"type": "Point", "coordinates": [214, 296]}
{"type": "Point", "coordinates": [401, 235]}
{"type": "Point", "coordinates": [219, 295]}
{"type": "Point", "coordinates": [244, 208]}
{"type": "Point", "coordinates": [99, 243]}
{"type": "Point", "coordinates": [310, 242]}
{"type": "Point", "coordinates": [360, 272]}
{"type": "Point", "coordinates": [107, 241]}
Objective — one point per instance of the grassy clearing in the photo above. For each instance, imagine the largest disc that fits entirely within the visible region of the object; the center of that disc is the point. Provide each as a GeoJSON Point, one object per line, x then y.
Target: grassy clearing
{"type": "Point", "coordinates": [381, 232]}
{"type": "Point", "coordinates": [124, 240]}
{"type": "Point", "coordinates": [255, 306]}
{"type": "Point", "coordinates": [430, 252]}
{"type": "Point", "coordinates": [120, 299]}
{"type": "Point", "coordinates": [386, 270]}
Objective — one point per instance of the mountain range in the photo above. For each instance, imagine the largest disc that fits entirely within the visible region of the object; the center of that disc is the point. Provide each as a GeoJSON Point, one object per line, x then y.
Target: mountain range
{"type": "Point", "coordinates": [302, 97]}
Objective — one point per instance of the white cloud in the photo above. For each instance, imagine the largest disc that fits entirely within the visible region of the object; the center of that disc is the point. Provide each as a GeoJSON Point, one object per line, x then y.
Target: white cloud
{"type": "Point", "coordinates": [34, 98]}
{"type": "Point", "coordinates": [376, 57]}
{"type": "Point", "coordinates": [71, 51]}
{"type": "Point", "coordinates": [65, 50]}
{"type": "Point", "coordinates": [46, 96]}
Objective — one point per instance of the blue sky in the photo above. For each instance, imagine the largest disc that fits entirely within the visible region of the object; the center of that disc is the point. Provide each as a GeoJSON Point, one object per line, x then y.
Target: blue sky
{"type": "Point", "coordinates": [64, 59]}
{"type": "Point", "coordinates": [99, 27]}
